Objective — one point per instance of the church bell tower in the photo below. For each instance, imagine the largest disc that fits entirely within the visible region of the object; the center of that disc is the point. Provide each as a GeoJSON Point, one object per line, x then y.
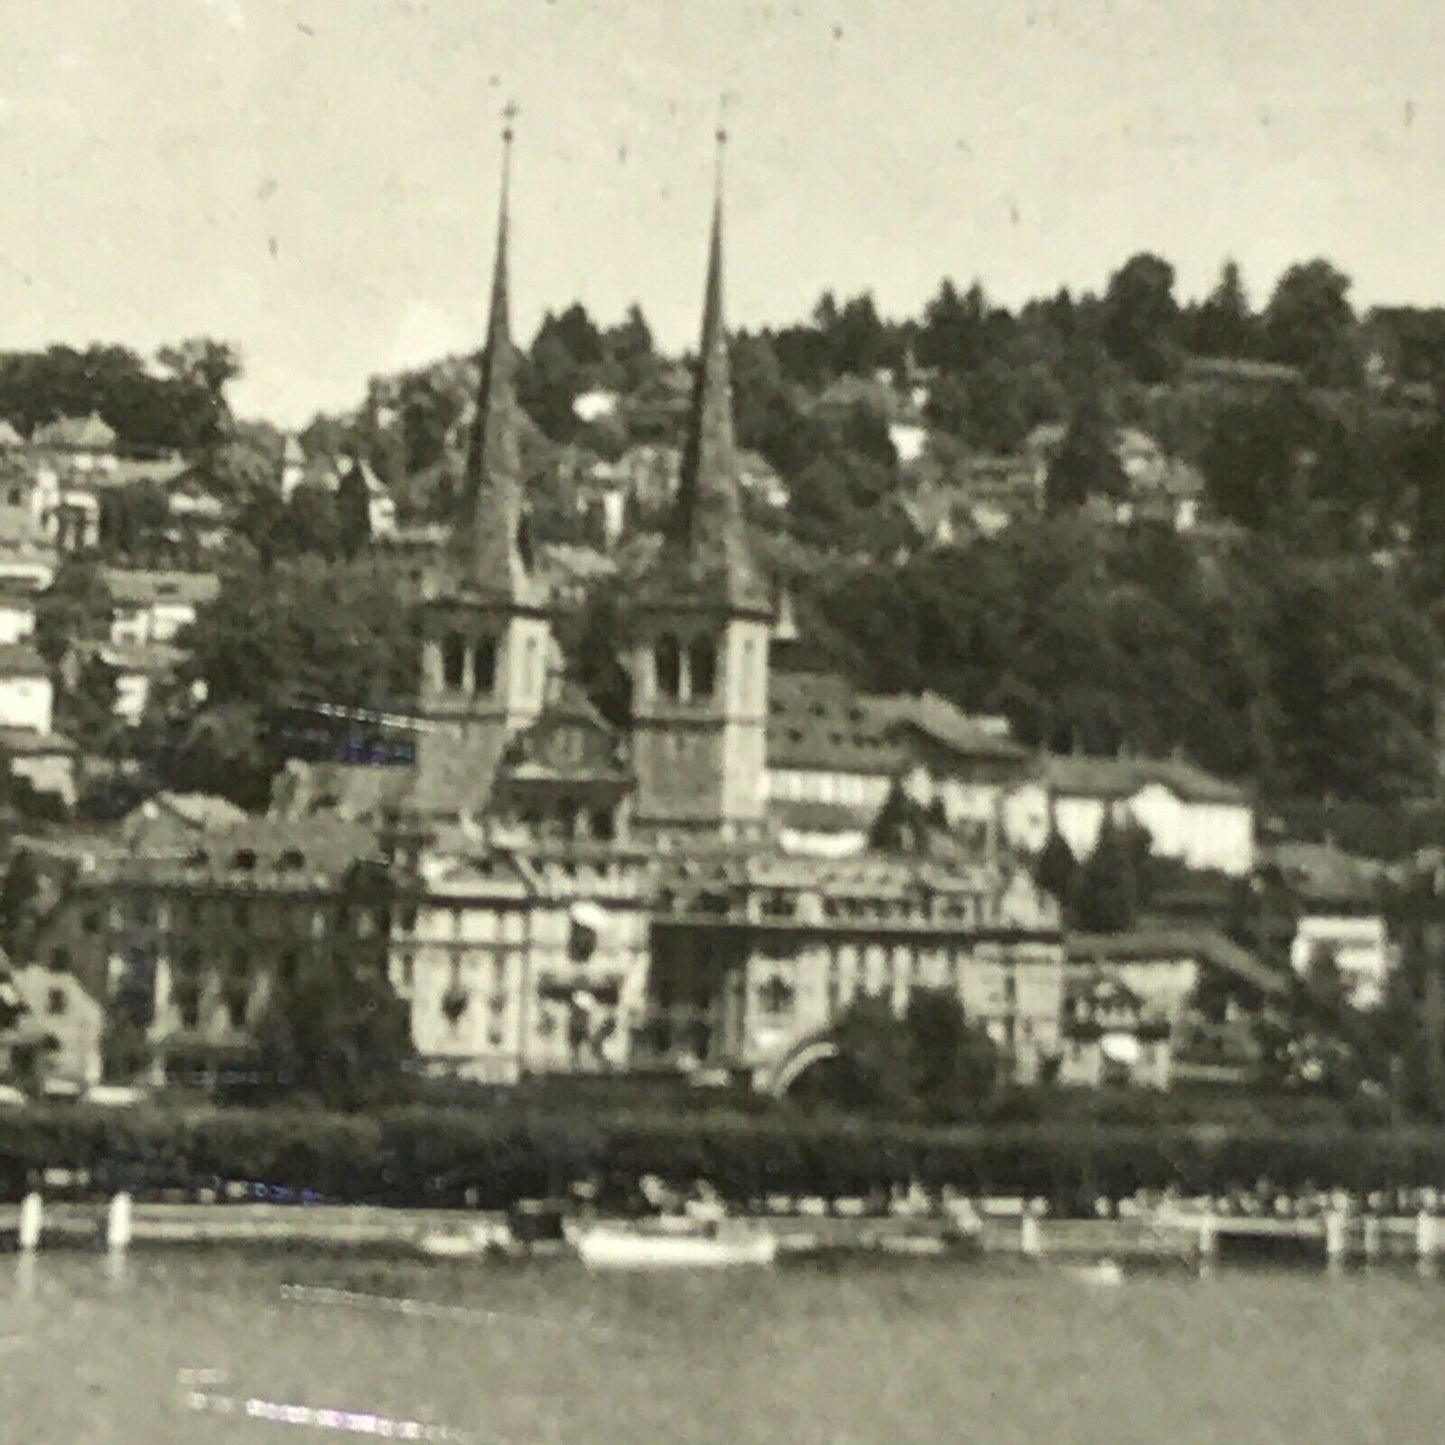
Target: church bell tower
{"type": "Point", "coordinates": [700, 621]}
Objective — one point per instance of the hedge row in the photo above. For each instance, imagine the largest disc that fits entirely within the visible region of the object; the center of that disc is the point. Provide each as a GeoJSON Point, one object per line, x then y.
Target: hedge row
{"type": "Point", "coordinates": [431, 1156]}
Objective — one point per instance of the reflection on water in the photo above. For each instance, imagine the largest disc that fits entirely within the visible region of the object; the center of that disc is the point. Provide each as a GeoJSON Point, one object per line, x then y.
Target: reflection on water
{"type": "Point", "coordinates": [548, 1354]}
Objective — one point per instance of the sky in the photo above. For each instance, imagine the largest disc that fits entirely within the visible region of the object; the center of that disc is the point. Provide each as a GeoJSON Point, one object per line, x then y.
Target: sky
{"type": "Point", "coordinates": [315, 180]}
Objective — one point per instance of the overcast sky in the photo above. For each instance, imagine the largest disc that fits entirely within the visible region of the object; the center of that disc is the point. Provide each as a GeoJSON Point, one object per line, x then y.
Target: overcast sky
{"type": "Point", "coordinates": [316, 179]}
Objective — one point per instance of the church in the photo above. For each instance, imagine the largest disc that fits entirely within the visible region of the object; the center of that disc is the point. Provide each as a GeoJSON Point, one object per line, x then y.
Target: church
{"type": "Point", "coordinates": [573, 896]}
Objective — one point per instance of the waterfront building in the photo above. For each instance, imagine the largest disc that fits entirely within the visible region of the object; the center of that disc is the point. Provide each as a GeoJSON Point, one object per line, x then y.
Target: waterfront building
{"type": "Point", "coordinates": [697, 887]}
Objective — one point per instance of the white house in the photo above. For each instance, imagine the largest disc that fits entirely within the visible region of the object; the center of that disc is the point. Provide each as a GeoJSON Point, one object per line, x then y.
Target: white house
{"type": "Point", "coordinates": [1192, 817]}
{"type": "Point", "coordinates": [155, 606]}
{"type": "Point", "coordinates": [26, 694]}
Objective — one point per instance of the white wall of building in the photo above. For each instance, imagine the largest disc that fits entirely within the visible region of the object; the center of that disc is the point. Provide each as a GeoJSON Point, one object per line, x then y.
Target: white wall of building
{"type": "Point", "coordinates": [26, 701]}
{"type": "Point", "coordinates": [1361, 947]}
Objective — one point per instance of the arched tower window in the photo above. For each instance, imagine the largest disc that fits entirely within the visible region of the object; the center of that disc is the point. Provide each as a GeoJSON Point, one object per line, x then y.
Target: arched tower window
{"type": "Point", "coordinates": [668, 661]}
{"type": "Point", "coordinates": [454, 662]}
{"type": "Point", "coordinates": [702, 666]}
{"type": "Point", "coordinates": [484, 666]}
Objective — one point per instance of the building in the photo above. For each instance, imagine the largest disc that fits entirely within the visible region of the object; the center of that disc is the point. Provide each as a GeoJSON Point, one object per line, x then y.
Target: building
{"type": "Point", "coordinates": [1192, 817]}
{"type": "Point", "coordinates": [27, 696]}
{"type": "Point", "coordinates": [1339, 922]}
{"type": "Point", "coordinates": [55, 1029]}
{"type": "Point", "coordinates": [1155, 1007]}
{"type": "Point", "coordinates": [186, 931]}
{"type": "Point", "coordinates": [582, 896]}
{"type": "Point", "coordinates": [548, 890]}
{"type": "Point", "coordinates": [150, 607]}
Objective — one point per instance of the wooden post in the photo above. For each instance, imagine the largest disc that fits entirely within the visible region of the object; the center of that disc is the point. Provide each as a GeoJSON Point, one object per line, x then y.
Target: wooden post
{"type": "Point", "coordinates": [1336, 1238]}
{"type": "Point", "coordinates": [1030, 1234]}
{"type": "Point", "coordinates": [1427, 1240]}
{"type": "Point", "coordinates": [1372, 1238]}
{"type": "Point", "coordinates": [1208, 1243]}
{"type": "Point", "coordinates": [118, 1224]}
{"type": "Point", "coordinates": [32, 1219]}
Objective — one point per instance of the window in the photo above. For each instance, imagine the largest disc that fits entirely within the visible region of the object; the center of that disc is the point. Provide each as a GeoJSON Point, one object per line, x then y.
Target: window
{"type": "Point", "coordinates": [484, 667]}
{"type": "Point", "coordinates": [245, 859]}
{"type": "Point", "coordinates": [56, 1001]}
{"type": "Point", "coordinates": [702, 666]}
{"type": "Point", "coordinates": [238, 989]}
{"type": "Point", "coordinates": [91, 922]}
{"type": "Point", "coordinates": [408, 970]}
{"type": "Point", "coordinates": [60, 960]}
{"type": "Point", "coordinates": [668, 661]}
{"type": "Point", "coordinates": [454, 662]}
{"type": "Point", "coordinates": [603, 825]}
{"type": "Point", "coordinates": [241, 910]}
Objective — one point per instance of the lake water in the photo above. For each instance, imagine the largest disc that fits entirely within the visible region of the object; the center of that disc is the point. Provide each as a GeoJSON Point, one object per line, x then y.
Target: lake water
{"type": "Point", "coordinates": [913, 1352]}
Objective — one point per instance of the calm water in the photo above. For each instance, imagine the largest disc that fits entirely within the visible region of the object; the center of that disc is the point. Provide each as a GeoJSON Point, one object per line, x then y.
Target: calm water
{"type": "Point", "coordinates": [913, 1352]}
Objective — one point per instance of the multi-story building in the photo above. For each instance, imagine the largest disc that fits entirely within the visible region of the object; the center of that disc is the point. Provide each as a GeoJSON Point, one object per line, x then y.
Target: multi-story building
{"type": "Point", "coordinates": [551, 892]}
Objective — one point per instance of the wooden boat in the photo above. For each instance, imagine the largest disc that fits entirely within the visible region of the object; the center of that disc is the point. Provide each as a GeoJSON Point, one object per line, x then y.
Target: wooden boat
{"type": "Point", "coordinates": [620, 1246]}
{"type": "Point", "coordinates": [462, 1244]}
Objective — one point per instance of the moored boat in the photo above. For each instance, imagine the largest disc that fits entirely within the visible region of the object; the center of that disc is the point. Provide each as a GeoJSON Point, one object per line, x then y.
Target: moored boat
{"type": "Point", "coordinates": [619, 1246]}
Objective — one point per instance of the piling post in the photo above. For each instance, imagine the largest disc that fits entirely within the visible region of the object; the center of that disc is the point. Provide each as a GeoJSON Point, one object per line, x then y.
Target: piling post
{"type": "Point", "coordinates": [1427, 1240]}
{"type": "Point", "coordinates": [118, 1224]}
{"type": "Point", "coordinates": [1208, 1243]}
{"type": "Point", "coordinates": [1336, 1238]}
{"type": "Point", "coordinates": [1030, 1233]}
{"type": "Point", "coordinates": [1373, 1238]}
{"type": "Point", "coordinates": [32, 1219]}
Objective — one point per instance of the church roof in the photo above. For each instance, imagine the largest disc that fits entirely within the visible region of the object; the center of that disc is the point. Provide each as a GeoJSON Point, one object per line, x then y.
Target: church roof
{"type": "Point", "coordinates": [492, 554]}
{"type": "Point", "coordinates": [705, 557]}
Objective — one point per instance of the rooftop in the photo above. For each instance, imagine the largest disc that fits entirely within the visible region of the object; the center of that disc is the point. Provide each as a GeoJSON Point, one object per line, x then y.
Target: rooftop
{"type": "Point", "coordinates": [816, 720]}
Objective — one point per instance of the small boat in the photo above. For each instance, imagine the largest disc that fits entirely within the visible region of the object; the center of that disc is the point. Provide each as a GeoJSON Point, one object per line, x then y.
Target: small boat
{"type": "Point", "coordinates": [616, 1246]}
{"type": "Point", "coordinates": [462, 1244]}
{"type": "Point", "coordinates": [1104, 1274]}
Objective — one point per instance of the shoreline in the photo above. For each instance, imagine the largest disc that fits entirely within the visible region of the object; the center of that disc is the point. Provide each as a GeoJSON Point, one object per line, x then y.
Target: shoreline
{"type": "Point", "coordinates": [1181, 1236]}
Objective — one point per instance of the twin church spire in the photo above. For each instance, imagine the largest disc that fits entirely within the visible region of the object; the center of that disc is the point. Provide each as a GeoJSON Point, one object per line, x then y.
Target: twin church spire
{"type": "Point", "coordinates": [704, 555]}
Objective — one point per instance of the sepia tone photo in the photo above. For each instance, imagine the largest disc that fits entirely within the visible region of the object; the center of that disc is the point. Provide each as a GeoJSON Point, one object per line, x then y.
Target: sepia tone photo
{"type": "Point", "coordinates": [721, 723]}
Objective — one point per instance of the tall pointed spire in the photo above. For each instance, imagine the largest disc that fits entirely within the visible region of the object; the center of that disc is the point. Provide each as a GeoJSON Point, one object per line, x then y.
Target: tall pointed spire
{"type": "Point", "coordinates": [707, 523]}
{"type": "Point", "coordinates": [491, 535]}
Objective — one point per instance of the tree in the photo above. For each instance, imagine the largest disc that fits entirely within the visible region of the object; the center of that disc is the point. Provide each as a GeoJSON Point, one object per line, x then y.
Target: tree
{"type": "Point", "coordinates": [334, 1027]}
{"type": "Point", "coordinates": [931, 1060]}
{"type": "Point", "coordinates": [86, 711]}
{"type": "Point", "coordinates": [1056, 869]}
{"type": "Point", "coordinates": [1141, 318]}
{"type": "Point", "coordinates": [1309, 323]}
{"type": "Point", "coordinates": [18, 896]}
{"type": "Point", "coordinates": [76, 607]}
{"type": "Point", "coordinates": [1106, 892]}
{"type": "Point", "coordinates": [1223, 324]}
{"type": "Point", "coordinates": [1087, 464]}
{"type": "Point", "coordinates": [204, 367]}
{"type": "Point", "coordinates": [353, 513]}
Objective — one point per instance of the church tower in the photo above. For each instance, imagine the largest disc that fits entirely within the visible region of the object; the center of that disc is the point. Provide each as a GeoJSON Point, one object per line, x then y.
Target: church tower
{"type": "Point", "coordinates": [486, 640]}
{"type": "Point", "coordinates": [700, 622]}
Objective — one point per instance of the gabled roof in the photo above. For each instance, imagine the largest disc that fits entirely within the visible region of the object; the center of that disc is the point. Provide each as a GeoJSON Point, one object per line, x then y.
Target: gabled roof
{"type": "Point", "coordinates": [949, 726]}
{"type": "Point", "coordinates": [817, 721]}
{"type": "Point", "coordinates": [145, 588]}
{"type": "Point", "coordinates": [1147, 946]}
{"type": "Point", "coordinates": [19, 659]}
{"type": "Point", "coordinates": [72, 433]}
{"type": "Point", "coordinates": [1119, 778]}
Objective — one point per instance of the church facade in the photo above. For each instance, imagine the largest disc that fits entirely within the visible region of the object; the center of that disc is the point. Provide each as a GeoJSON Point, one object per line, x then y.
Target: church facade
{"type": "Point", "coordinates": [573, 896]}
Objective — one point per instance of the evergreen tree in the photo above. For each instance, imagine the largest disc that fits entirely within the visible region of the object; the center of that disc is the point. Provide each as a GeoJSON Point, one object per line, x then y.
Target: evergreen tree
{"type": "Point", "coordinates": [1105, 896]}
{"type": "Point", "coordinates": [1222, 324]}
{"type": "Point", "coordinates": [353, 513]}
{"type": "Point", "coordinates": [1087, 464]}
{"type": "Point", "coordinates": [1056, 869]}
